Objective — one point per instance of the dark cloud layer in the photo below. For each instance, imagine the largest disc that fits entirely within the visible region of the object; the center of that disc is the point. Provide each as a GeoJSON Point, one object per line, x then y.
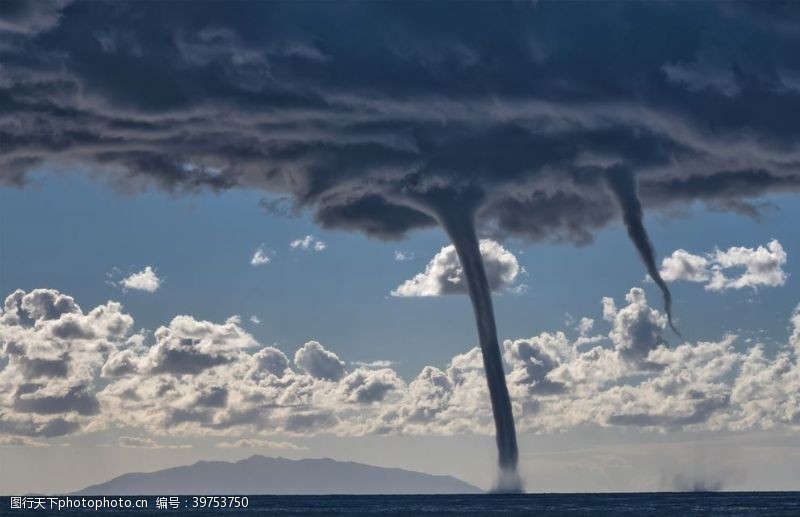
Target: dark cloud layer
{"type": "Point", "coordinates": [351, 108]}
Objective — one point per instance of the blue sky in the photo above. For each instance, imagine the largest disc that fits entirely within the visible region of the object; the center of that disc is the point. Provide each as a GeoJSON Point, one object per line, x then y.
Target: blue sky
{"type": "Point", "coordinates": [201, 246]}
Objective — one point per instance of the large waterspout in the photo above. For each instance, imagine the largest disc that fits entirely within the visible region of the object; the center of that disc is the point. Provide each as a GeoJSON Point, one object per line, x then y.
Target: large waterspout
{"type": "Point", "coordinates": [457, 219]}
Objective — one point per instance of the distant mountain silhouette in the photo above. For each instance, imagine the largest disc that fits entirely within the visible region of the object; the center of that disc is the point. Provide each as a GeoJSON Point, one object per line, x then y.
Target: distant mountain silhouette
{"type": "Point", "coordinates": [262, 475]}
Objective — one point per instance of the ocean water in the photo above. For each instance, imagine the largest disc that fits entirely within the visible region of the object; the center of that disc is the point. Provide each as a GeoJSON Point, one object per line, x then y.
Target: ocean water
{"type": "Point", "coordinates": [655, 504]}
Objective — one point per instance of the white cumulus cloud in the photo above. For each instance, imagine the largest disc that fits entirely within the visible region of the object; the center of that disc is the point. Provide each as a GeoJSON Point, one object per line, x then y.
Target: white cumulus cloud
{"type": "Point", "coordinates": [762, 266]}
{"type": "Point", "coordinates": [444, 275]}
{"type": "Point", "coordinates": [682, 265]}
{"type": "Point", "coordinates": [145, 280]}
{"type": "Point", "coordinates": [735, 268]}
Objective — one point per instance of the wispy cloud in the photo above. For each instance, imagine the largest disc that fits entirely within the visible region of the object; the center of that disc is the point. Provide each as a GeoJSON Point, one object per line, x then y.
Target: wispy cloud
{"type": "Point", "coordinates": [402, 256]}
{"type": "Point", "coordinates": [135, 442]}
{"type": "Point", "coordinates": [309, 242]}
{"type": "Point", "coordinates": [260, 257]}
{"type": "Point", "coordinates": [379, 363]}
{"type": "Point", "coordinates": [255, 443]}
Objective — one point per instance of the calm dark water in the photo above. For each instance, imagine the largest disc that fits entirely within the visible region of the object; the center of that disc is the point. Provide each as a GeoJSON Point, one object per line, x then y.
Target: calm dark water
{"type": "Point", "coordinates": [680, 504]}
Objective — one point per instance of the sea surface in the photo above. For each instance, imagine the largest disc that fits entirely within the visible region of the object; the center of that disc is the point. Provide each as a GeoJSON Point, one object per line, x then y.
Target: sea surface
{"type": "Point", "coordinates": [680, 504]}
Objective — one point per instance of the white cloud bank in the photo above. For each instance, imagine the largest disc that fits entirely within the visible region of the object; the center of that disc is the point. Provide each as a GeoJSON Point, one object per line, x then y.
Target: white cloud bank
{"type": "Point", "coordinates": [309, 242]}
{"type": "Point", "coordinates": [443, 274]}
{"type": "Point", "coordinates": [761, 266]}
{"type": "Point", "coordinates": [144, 280]}
{"type": "Point", "coordinates": [66, 371]}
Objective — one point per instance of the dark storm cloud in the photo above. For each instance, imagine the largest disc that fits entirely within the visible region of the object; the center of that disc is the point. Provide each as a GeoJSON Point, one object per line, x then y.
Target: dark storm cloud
{"type": "Point", "coordinates": [348, 108]}
{"type": "Point", "coordinates": [21, 17]}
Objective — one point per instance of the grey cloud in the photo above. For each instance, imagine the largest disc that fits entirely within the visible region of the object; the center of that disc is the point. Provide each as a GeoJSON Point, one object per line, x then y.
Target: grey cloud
{"type": "Point", "coordinates": [39, 305]}
{"type": "Point", "coordinates": [33, 368]}
{"type": "Point", "coordinates": [270, 360]}
{"type": "Point", "coordinates": [189, 346]}
{"type": "Point", "coordinates": [32, 398]}
{"type": "Point", "coordinates": [637, 329]}
{"type": "Point", "coordinates": [428, 395]}
{"type": "Point", "coordinates": [366, 386]}
{"type": "Point", "coordinates": [700, 413]}
{"type": "Point", "coordinates": [533, 360]}
{"type": "Point", "coordinates": [313, 359]}
{"type": "Point", "coordinates": [120, 363]}
{"type": "Point", "coordinates": [69, 329]}
{"type": "Point", "coordinates": [51, 428]}
{"type": "Point", "coordinates": [309, 421]}
{"type": "Point", "coordinates": [30, 18]}
{"type": "Point", "coordinates": [187, 360]}
{"type": "Point", "coordinates": [216, 397]}
{"type": "Point", "coordinates": [178, 416]}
